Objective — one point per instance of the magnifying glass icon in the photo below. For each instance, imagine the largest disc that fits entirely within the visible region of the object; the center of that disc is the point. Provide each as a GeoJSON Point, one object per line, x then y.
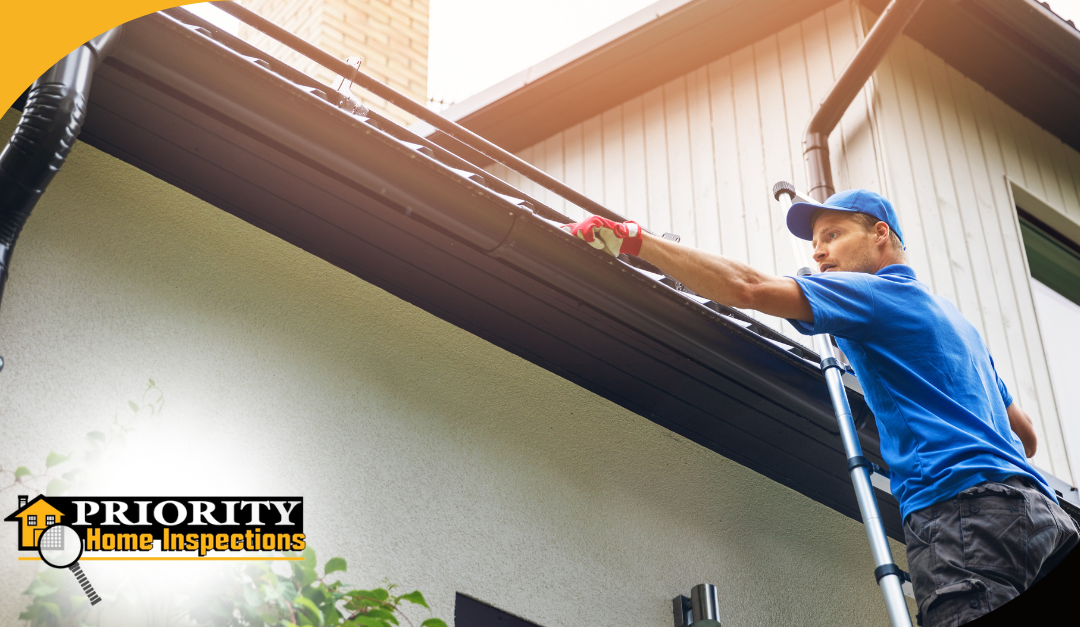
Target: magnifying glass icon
{"type": "Point", "coordinates": [61, 547]}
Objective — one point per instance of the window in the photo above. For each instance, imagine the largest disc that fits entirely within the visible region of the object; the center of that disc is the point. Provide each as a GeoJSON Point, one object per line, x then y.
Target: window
{"type": "Point", "coordinates": [50, 520]}
{"type": "Point", "coordinates": [1054, 260]}
{"type": "Point", "coordinates": [1055, 284]}
{"type": "Point", "coordinates": [468, 612]}
{"type": "Point", "coordinates": [31, 520]}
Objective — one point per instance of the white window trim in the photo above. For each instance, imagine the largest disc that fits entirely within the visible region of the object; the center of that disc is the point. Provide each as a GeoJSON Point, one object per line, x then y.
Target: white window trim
{"type": "Point", "coordinates": [1055, 218]}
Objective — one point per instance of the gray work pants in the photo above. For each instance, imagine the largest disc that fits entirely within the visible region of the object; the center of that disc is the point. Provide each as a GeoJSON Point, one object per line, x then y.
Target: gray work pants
{"type": "Point", "coordinates": [973, 553]}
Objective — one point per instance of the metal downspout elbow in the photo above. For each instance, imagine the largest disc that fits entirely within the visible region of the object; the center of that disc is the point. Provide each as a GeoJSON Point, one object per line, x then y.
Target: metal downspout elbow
{"type": "Point", "coordinates": [869, 55]}
{"type": "Point", "coordinates": [51, 120]}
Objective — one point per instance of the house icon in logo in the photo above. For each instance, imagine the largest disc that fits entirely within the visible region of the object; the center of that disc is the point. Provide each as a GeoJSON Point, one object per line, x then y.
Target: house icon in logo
{"type": "Point", "coordinates": [33, 517]}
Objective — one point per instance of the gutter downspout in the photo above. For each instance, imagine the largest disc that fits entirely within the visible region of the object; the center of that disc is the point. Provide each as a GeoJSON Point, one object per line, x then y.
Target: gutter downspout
{"type": "Point", "coordinates": [54, 113]}
{"type": "Point", "coordinates": [869, 55]}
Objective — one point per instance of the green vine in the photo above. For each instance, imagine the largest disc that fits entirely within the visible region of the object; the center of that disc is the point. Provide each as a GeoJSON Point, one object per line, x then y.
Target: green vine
{"type": "Point", "coordinates": [254, 595]}
{"type": "Point", "coordinates": [246, 595]}
{"type": "Point", "coordinates": [62, 474]}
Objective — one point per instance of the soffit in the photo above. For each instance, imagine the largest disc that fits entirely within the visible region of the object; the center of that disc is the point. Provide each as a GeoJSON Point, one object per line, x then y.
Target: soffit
{"type": "Point", "coordinates": [1019, 50]}
{"type": "Point", "coordinates": [660, 42]}
{"type": "Point", "coordinates": [229, 129]}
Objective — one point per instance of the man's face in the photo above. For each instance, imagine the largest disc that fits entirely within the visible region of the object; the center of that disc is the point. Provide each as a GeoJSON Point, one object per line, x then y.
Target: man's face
{"type": "Point", "coordinates": [842, 244]}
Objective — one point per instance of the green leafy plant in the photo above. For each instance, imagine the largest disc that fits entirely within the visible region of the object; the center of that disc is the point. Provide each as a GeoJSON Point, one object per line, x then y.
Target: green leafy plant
{"type": "Point", "coordinates": [253, 595]}
{"type": "Point", "coordinates": [61, 472]}
{"type": "Point", "coordinates": [249, 594]}
{"type": "Point", "coordinates": [56, 599]}
{"type": "Point", "coordinates": [244, 594]}
{"type": "Point", "coordinates": [56, 602]}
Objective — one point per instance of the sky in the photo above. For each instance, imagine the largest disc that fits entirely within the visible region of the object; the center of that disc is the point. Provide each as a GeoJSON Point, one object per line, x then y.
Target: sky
{"type": "Point", "coordinates": [474, 44]}
{"type": "Point", "coordinates": [477, 43]}
{"type": "Point", "coordinates": [1068, 9]}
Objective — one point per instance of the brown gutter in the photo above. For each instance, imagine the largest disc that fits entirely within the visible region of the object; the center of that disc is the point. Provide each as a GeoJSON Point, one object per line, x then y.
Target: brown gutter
{"type": "Point", "coordinates": [451, 129]}
{"type": "Point", "coordinates": [816, 142]}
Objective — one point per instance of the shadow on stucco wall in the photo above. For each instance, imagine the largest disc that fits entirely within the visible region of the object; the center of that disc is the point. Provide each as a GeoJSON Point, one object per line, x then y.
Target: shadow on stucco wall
{"type": "Point", "coordinates": [424, 453]}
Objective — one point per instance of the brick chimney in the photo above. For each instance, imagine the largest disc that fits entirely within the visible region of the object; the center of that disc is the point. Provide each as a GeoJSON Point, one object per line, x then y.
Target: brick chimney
{"type": "Point", "coordinates": [390, 35]}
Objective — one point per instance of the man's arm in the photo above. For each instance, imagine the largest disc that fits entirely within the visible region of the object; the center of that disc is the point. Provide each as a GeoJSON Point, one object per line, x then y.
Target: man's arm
{"type": "Point", "coordinates": [727, 281]}
{"type": "Point", "coordinates": [1024, 429]}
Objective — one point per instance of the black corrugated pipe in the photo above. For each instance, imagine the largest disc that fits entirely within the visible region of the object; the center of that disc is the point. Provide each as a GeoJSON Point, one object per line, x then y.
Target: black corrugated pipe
{"type": "Point", "coordinates": [54, 113]}
{"type": "Point", "coordinates": [832, 108]}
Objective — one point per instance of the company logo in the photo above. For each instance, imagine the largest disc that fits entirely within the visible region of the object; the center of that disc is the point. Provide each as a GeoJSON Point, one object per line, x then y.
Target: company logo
{"type": "Point", "coordinates": [172, 524]}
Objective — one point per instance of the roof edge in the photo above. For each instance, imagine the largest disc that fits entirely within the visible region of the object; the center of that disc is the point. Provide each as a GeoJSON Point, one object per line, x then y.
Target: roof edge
{"type": "Point", "coordinates": [1036, 26]}
{"type": "Point", "coordinates": [576, 53]}
{"type": "Point", "coordinates": [673, 37]}
{"type": "Point", "coordinates": [638, 53]}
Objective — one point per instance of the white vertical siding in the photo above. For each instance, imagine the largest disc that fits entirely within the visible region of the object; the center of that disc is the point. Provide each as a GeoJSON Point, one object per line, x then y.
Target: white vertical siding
{"type": "Point", "coordinates": [656, 162]}
{"type": "Point", "coordinates": [702, 161]}
{"type": "Point", "coordinates": [634, 160]}
{"type": "Point", "coordinates": [698, 156]}
{"type": "Point", "coordinates": [951, 150]}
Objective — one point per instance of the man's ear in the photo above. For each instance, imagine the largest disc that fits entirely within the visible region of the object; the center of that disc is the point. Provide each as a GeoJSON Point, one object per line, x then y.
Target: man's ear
{"type": "Point", "coordinates": [881, 233]}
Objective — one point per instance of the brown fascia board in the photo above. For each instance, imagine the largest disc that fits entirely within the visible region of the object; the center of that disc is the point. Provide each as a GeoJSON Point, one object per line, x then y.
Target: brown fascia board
{"type": "Point", "coordinates": [660, 42]}
{"type": "Point", "coordinates": [194, 107]}
{"type": "Point", "coordinates": [1040, 27]}
{"type": "Point", "coordinates": [576, 54]}
{"type": "Point", "coordinates": [1017, 49]}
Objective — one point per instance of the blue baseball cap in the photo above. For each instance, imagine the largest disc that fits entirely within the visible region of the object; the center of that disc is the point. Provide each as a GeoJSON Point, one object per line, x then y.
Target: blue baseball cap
{"type": "Point", "coordinates": [854, 200]}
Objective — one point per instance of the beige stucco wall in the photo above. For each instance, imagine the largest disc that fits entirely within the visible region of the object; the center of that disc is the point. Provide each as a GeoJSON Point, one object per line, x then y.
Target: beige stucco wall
{"type": "Point", "coordinates": [424, 453]}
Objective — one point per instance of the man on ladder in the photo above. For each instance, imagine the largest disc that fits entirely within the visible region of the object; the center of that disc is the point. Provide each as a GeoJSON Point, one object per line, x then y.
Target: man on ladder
{"type": "Point", "coordinates": [981, 524]}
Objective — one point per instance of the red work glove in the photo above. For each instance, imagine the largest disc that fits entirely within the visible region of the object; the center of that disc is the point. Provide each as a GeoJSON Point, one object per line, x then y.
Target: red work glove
{"type": "Point", "coordinates": [607, 235]}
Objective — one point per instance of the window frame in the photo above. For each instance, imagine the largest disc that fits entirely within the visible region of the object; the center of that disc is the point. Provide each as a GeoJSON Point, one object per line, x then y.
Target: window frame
{"type": "Point", "coordinates": [1027, 206]}
{"type": "Point", "coordinates": [472, 612]}
{"type": "Point", "coordinates": [1028, 222]}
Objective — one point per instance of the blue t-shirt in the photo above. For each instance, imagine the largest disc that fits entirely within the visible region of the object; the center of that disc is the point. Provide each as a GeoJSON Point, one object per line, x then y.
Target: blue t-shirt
{"type": "Point", "coordinates": [929, 379]}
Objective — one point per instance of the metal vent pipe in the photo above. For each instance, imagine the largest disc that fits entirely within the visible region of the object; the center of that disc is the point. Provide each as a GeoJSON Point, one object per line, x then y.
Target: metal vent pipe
{"type": "Point", "coordinates": [816, 142]}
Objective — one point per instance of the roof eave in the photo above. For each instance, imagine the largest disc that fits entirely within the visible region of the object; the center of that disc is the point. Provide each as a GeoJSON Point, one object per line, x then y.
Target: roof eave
{"type": "Point", "coordinates": [1019, 50]}
{"type": "Point", "coordinates": [180, 106]}
{"type": "Point", "coordinates": [645, 50]}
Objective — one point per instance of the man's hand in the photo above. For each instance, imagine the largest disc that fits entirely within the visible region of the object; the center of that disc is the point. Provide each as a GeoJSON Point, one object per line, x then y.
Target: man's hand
{"type": "Point", "coordinates": [717, 278]}
{"type": "Point", "coordinates": [607, 235]}
{"type": "Point", "coordinates": [1024, 429]}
